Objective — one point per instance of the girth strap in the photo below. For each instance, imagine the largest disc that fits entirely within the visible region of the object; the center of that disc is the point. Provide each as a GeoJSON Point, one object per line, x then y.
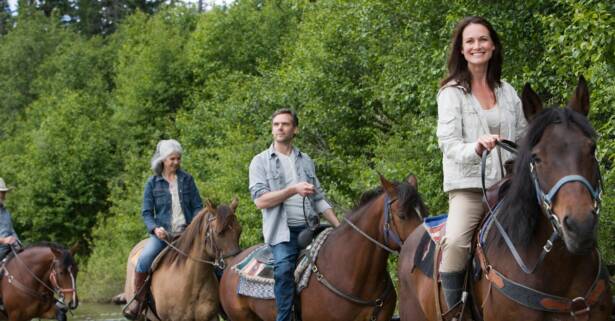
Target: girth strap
{"type": "Point", "coordinates": [378, 304]}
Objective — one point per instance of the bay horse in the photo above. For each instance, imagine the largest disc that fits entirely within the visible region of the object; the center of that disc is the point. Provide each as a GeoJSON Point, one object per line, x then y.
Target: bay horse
{"type": "Point", "coordinates": [183, 284]}
{"type": "Point", "coordinates": [352, 261]}
{"type": "Point", "coordinates": [39, 282]}
{"type": "Point", "coordinates": [548, 218]}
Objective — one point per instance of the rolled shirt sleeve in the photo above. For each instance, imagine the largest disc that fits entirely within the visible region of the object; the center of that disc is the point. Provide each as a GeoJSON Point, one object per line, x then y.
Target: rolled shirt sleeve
{"type": "Point", "coordinates": [258, 178]}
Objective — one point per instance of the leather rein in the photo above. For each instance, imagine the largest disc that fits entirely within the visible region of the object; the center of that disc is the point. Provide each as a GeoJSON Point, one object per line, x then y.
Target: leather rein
{"type": "Point", "coordinates": [389, 233]}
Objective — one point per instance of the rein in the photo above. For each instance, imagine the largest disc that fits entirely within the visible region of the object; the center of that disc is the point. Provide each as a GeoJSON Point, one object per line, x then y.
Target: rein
{"type": "Point", "coordinates": [378, 303]}
{"type": "Point", "coordinates": [217, 262]}
{"type": "Point", "coordinates": [57, 290]}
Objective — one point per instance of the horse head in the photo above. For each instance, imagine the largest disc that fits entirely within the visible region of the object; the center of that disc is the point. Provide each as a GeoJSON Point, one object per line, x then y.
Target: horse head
{"type": "Point", "coordinates": [223, 231]}
{"type": "Point", "coordinates": [559, 160]}
{"type": "Point", "coordinates": [63, 276]}
{"type": "Point", "coordinates": [406, 208]}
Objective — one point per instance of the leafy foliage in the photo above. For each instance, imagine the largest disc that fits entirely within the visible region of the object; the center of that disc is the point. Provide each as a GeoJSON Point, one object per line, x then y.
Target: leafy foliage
{"type": "Point", "coordinates": [80, 115]}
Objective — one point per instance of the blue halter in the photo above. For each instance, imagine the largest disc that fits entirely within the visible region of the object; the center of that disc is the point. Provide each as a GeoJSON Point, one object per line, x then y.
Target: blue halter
{"type": "Point", "coordinates": [546, 200]}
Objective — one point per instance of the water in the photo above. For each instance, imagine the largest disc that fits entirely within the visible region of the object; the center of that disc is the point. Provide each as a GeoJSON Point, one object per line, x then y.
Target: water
{"type": "Point", "coordinates": [98, 312]}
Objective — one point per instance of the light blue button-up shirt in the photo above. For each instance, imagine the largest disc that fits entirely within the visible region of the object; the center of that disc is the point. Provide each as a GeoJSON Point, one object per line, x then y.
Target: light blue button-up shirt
{"type": "Point", "coordinates": [266, 175]}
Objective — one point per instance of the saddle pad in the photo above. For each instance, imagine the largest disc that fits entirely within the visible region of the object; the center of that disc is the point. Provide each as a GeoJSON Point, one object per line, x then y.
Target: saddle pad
{"type": "Point", "coordinates": [436, 226]}
{"type": "Point", "coordinates": [424, 256]}
{"type": "Point", "coordinates": [256, 270]}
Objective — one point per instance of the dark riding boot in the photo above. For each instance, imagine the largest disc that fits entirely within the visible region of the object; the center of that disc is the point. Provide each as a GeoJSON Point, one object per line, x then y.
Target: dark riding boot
{"type": "Point", "coordinates": [452, 285]}
{"type": "Point", "coordinates": [133, 309]}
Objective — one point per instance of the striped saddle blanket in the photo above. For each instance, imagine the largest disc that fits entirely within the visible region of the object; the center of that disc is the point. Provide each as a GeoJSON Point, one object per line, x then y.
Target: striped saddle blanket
{"type": "Point", "coordinates": [256, 270]}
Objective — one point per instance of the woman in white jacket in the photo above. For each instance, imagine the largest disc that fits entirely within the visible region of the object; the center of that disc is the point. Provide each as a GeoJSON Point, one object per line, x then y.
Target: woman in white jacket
{"type": "Point", "coordinates": [475, 109]}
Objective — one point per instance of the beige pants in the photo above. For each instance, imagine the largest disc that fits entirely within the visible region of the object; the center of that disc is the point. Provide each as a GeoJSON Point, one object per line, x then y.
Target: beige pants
{"type": "Point", "coordinates": [465, 212]}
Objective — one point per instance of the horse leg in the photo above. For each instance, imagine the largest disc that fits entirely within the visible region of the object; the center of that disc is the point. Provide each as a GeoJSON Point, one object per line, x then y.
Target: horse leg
{"type": "Point", "coordinates": [409, 307]}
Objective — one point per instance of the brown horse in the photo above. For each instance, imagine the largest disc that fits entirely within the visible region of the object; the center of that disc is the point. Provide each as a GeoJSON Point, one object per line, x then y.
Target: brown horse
{"type": "Point", "coordinates": [183, 284]}
{"type": "Point", "coordinates": [39, 282]}
{"type": "Point", "coordinates": [353, 260]}
{"type": "Point", "coordinates": [548, 218]}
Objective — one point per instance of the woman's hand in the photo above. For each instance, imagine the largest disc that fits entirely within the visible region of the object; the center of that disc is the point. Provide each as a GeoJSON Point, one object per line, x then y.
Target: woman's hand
{"type": "Point", "coordinates": [160, 233]}
{"type": "Point", "coordinates": [486, 142]}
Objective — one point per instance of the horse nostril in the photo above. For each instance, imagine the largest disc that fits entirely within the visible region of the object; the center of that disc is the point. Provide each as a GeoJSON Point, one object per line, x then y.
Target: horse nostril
{"type": "Point", "coordinates": [567, 223]}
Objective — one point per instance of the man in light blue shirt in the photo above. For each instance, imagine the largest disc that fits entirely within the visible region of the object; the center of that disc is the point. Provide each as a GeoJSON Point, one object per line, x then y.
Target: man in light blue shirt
{"type": "Point", "coordinates": [284, 185]}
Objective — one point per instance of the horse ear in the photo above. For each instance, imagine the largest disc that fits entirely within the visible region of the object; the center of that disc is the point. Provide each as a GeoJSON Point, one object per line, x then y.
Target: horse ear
{"type": "Point", "coordinates": [388, 186]}
{"type": "Point", "coordinates": [209, 205]}
{"type": "Point", "coordinates": [580, 100]}
{"type": "Point", "coordinates": [56, 252]}
{"type": "Point", "coordinates": [532, 104]}
{"type": "Point", "coordinates": [73, 249]}
{"type": "Point", "coordinates": [234, 203]}
{"type": "Point", "coordinates": [411, 179]}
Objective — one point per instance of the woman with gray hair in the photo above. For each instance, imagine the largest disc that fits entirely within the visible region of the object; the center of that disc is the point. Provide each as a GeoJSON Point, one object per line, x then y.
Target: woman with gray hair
{"type": "Point", "coordinates": [170, 201]}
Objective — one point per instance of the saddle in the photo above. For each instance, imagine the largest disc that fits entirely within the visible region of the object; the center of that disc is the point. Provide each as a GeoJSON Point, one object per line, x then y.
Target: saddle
{"type": "Point", "coordinates": [256, 270]}
{"type": "Point", "coordinates": [149, 303]}
{"type": "Point", "coordinates": [427, 259]}
{"type": "Point", "coordinates": [428, 256]}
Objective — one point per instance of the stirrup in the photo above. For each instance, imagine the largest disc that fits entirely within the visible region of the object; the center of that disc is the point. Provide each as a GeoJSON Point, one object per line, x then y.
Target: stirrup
{"type": "Point", "coordinates": [457, 311]}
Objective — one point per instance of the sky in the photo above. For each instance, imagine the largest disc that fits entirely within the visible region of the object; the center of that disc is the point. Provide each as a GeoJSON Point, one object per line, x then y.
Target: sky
{"type": "Point", "coordinates": [13, 3]}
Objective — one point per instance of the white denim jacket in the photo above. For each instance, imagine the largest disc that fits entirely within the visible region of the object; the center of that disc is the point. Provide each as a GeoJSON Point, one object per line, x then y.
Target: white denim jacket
{"type": "Point", "coordinates": [460, 126]}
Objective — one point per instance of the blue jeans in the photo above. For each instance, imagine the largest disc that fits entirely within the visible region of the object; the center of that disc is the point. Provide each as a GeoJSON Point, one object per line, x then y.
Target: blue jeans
{"type": "Point", "coordinates": [285, 258]}
{"type": "Point", "coordinates": [153, 247]}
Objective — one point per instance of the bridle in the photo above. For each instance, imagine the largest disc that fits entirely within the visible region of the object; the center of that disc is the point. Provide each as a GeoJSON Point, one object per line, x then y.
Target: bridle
{"type": "Point", "coordinates": [62, 292]}
{"type": "Point", "coordinates": [55, 287]}
{"type": "Point", "coordinates": [219, 260]}
{"type": "Point", "coordinates": [389, 229]}
{"type": "Point", "coordinates": [545, 201]}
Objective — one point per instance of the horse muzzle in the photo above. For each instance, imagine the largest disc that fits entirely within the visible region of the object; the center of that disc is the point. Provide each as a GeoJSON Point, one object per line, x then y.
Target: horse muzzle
{"type": "Point", "coordinates": [580, 235]}
{"type": "Point", "coordinates": [73, 304]}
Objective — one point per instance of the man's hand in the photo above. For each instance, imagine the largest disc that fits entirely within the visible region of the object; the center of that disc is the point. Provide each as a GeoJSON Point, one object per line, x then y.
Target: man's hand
{"type": "Point", "coordinates": [160, 233]}
{"type": "Point", "coordinates": [304, 188]}
{"type": "Point", "coordinates": [9, 240]}
{"type": "Point", "coordinates": [486, 142]}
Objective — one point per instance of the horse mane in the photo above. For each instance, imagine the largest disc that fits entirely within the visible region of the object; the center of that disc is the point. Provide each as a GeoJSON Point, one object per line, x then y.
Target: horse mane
{"type": "Point", "coordinates": [407, 196]}
{"type": "Point", "coordinates": [66, 259]}
{"type": "Point", "coordinates": [185, 241]}
{"type": "Point", "coordinates": [520, 208]}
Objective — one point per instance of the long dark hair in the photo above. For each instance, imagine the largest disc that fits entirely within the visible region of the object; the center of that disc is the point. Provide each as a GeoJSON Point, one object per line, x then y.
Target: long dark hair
{"type": "Point", "coordinates": [458, 65]}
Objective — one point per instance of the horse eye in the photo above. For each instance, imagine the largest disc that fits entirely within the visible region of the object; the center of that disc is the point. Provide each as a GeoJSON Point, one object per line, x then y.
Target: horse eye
{"type": "Point", "coordinates": [535, 158]}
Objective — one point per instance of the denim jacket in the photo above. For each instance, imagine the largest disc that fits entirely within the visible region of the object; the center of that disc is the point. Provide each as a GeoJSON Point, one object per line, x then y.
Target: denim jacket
{"type": "Point", "coordinates": [266, 175]}
{"type": "Point", "coordinates": [157, 209]}
{"type": "Point", "coordinates": [6, 229]}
